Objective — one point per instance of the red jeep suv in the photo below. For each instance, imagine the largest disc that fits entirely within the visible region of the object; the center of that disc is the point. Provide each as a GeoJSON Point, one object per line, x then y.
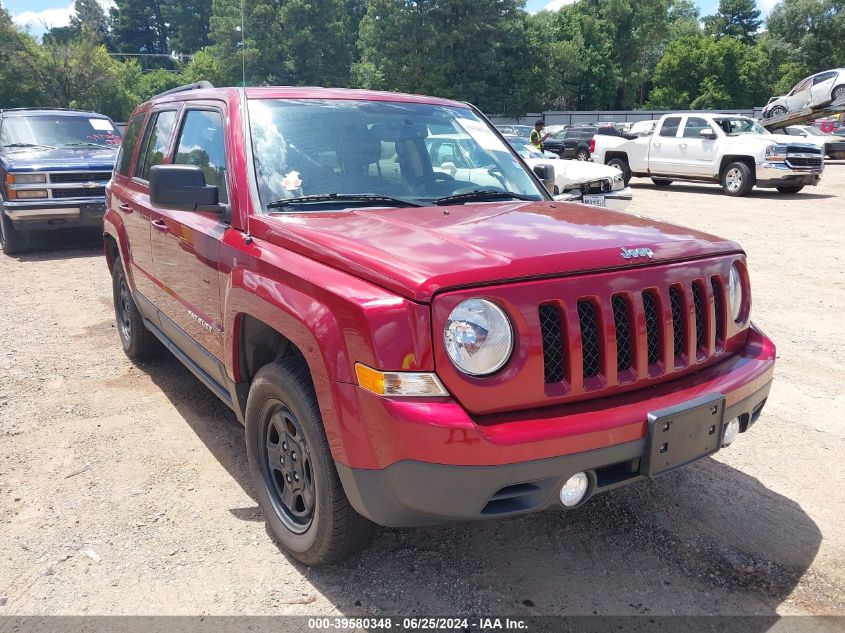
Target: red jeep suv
{"type": "Point", "coordinates": [408, 343]}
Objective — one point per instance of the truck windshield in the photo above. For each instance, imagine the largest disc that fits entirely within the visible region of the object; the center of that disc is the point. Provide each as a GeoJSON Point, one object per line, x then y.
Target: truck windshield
{"type": "Point", "coordinates": [409, 151]}
{"type": "Point", "coordinates": [45, 131]}
{"type": "Point", "coordinates": [733, 126]}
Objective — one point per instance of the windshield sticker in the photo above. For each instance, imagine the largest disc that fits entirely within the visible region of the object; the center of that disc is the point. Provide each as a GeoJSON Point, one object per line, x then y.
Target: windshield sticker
{"type": "Point", "coordinates": [292, 181]}
{"type": "Point", "coordinates": [101, 124]}
{"type": "Point", "coordinates": [481, 134]}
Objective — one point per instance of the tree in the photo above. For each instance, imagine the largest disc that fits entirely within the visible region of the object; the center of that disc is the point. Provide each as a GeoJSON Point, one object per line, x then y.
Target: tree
{"type": "Point", "coordinates": [139, 27]}
{"type": "Point", "coordinates": [735, 18]}
{"type": "Point", "coordinates": [812, 31]}
{"type": "Point", "coordinates": [89, 15]}
{"type": "Point", "coordinates": [188, 24]}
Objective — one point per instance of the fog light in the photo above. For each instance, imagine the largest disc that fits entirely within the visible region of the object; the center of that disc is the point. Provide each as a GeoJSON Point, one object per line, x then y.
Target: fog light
{"type": "Point", "coordinates": [574, 489]}
{"type": "Point", "coordinates": [731, 431]}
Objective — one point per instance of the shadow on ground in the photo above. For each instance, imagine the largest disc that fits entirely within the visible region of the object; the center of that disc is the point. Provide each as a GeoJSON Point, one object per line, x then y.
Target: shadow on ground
{"type": "Point", "coordinates": [62, 244]}
{"type": "Point", "coordinates": [708, 539]}
{"type": "Point", "coordinates": [716, 190]}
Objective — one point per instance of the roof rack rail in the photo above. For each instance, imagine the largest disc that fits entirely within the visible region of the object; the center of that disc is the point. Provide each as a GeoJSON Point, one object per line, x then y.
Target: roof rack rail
{"type": "Point", "coordinates": [197, 85]}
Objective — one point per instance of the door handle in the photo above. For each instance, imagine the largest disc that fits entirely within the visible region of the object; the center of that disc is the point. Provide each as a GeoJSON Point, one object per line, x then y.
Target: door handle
{"type": "Point", "coordinates": [655, 144]}
{"type": "Point", "coordinates": [125, 207]}
{"type": "Point", "coordinates": [683, 145]}
{"type": "Point", "coordinates": [160, 225]}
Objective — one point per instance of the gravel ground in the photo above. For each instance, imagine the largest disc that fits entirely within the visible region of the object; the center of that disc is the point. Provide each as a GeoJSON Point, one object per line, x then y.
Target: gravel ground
{"type": "Point", "coordinates": [124, 489]}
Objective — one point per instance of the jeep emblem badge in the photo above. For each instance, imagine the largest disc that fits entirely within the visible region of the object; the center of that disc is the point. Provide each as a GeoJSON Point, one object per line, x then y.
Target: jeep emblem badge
{"type": "Point", "coordinates": [633, 253]}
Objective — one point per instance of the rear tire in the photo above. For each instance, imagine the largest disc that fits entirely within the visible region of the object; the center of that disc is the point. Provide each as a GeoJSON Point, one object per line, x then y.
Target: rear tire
{"type": "Point", "coordinates": [293, 473]}
{"type": "Point", "coordinates": [737, 180]}
{"type": "Point", "coordinates": [582, 154]}
{"type": "Point", "coordinates": [661, 182]}
{"type": "Point", "coordinates": [12, 240]}
{"type": "Point", "coordinates": [138, 342]}
{"type": "Point", "coordinates": [622, 165]}
{"type": "Point", "coordinates": [790, 190]}
{"type": "Point", "coordinates": [838, 93]}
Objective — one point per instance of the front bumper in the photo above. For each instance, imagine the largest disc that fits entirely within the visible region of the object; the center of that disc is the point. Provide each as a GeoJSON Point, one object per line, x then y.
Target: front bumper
{"type": "Point", "coordinates": [836, 151]}
{"type": "Point", "coordinates": [615, 200]}
{"type": "Point", "coordinates": [782, 175]}
{"type": "Point", "coordinates": [53, 213]}
{"type": "Point", "coordinates": [436, 464]}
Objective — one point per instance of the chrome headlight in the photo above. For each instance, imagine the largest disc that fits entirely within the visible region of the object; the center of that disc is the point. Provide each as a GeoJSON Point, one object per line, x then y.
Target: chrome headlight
{"type": "Point", "coordinates": [27, 179]}
{"type": "Point", "coordinates": [478, 337]}
{"type": "Point", "coordinates": [618, 182]}
{"type": "Point", "coordinates": [776, 153]}
{"type": "Point", "coordinates": [735, 292]}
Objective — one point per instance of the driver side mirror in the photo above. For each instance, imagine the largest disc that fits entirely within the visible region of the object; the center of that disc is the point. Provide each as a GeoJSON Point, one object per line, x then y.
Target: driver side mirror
{"type": "Point", "coordinates": [546, 173]}
{"type": "Point", "coordinates": [707, 133]}
{"type": "Point", "coordinates": [183, 188]}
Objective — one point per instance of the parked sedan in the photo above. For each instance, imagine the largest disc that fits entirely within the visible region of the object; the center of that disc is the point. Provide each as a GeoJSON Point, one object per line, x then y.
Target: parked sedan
{"type": "Point", "coordinates": [833, 146]}
{"type": "Point", "coordinates": [579, 181]}
{"type": "Point", "coordinates": [572, 142]}
{"type": "Point", "coordinates": [816, 90]}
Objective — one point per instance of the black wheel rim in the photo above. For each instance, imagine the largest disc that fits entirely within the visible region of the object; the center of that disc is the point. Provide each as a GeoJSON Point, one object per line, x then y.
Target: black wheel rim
{"type": "Point", "coordinates": [123, 321]}
{"type": "Point", "coordinates": [286, 467]}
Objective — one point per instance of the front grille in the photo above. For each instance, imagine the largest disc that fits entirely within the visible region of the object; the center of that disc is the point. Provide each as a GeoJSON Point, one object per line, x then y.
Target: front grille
{"type": "Point", "coordinates": [624, 352]}
{"type": "Point", "coordinates": [79, 192]}
{"type": "Point", "coordinates": [552, 334]}
{"type": "Point", "coordinates": [597, 187]}
{"type": "Point", "coordinates": [588, 321]}
{"type": "Point", "coordinates": [717, 309]}
{"type": "Point", "coordinates": [801, 161]}
{"type": "Point", "coordinates": [678, 322]}
{"type": "Point", "coordinates": [698, 300]}
{"type": "Point", "coordinates": [79, 176]}
{"type": "Point", "coordinates": [803, 149]}
{"type": "Point", "coordinates": [652, 327]}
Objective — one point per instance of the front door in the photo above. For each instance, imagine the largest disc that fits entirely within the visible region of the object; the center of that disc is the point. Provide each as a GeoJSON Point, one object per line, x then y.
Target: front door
{"type": "Point", "coordinates": [186, 245]}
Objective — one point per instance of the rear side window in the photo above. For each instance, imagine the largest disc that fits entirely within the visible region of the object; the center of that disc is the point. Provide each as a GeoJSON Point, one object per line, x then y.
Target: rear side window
{"type": "Point", "coordinates": [201, 143]}
{"type": "Point", "coordinates": [155, 142]}
{"type": "Point", "coordinates": [130, 140]}
{"type": "Point", "coordinates": [670, 126]}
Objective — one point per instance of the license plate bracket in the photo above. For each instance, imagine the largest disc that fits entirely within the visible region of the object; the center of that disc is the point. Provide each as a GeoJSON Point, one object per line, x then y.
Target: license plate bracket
{"type": "Point", "coordinates": [594, 199]}
{"type": "Point", "coordinates": [683, 434]}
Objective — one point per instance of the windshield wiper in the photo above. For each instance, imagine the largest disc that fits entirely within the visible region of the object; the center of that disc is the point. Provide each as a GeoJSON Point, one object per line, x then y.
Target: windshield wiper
{"type": "Point", "coordinates": [29, 145]}
{"type": "Point", "coordinates": [83, 145]}
{"type": "Point", "coordinates": [367, 199]}
{"type": "Point", "coordinates": [483, 194]}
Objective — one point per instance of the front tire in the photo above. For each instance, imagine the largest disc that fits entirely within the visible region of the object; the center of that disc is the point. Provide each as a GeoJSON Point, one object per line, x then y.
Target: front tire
{"type": "Point", "coordinates": [790, 190]}
{"type": "Point", "coordinates": [11, 240]}
{"type": "Point", "coordinates": [294, 476]}
{"type": "Point", "coordinates": [776, 111]}
{"type": "Point", "coordinates": [622, 165]}
{"type": "Point", "coordinates": [737, 180]}
{"type": "Point", "coordinates": [138, 342]}
{"type": "Point", "coordinates": [661, 182]}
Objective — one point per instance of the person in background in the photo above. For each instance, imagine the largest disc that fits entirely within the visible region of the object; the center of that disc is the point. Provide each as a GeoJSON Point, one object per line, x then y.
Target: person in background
{"type": "Point", "coordinates": [537, 137]}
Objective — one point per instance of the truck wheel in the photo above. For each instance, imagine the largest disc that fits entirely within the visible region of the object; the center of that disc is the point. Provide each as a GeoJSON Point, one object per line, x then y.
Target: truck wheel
{"type": "Point", "coordinates": [622, 165]}
{"type": "Point", "coordinates": [138, 342]}
{"type": "Point", "coordinates": [737, 179]}
{"type": "Point", "coordinates": [12, 240]}
{"type": "Point", "coordinates": [293, 473]}
{"type": "Point", "coordinates": [582, 154]}
{"type": "Point", "coordinates": [793, 189]}
{"type": "Point", "coordinates": [661, 182]}
{"type": "Point", "coordinates": [776, 111]}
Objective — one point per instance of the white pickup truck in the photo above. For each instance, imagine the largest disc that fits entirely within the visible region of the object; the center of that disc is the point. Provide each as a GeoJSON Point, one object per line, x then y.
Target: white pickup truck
{"type": "Point", "coordinates": [729, 149]}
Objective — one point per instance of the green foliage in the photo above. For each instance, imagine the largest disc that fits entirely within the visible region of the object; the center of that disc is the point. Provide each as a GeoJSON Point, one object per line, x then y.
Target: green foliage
{"type": "Point", "coordinates": [813, 31]}
{"type": "Point", "coordinates": [735, 18]}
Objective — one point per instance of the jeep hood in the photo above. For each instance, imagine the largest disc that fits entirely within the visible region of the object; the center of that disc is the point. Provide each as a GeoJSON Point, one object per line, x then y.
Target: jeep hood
{"type": "Point", "coordinates": [417, 252]}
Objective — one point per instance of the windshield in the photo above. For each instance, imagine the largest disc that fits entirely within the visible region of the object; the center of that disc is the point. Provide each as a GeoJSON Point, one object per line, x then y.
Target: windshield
{"type": "Point", "coordinates": [812, 131]}
{"type": "Point", "coordinates": [411, 151]}
{"type": "Point", "coordinates": [58, 131]}
{"type": "Point", "coordinates": [733, 126]}
{"type": "Point", "coordinates": [524, 148]}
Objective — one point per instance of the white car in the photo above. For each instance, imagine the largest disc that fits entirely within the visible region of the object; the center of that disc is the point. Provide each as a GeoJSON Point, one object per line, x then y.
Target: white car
{"type": "Point", "coordinates": [833, 146]}
{"type": "Point", "coordinates": [578, 181]}
{"type": "Point", "coordinates": [643, 128]}
{"type": "Point", "coordinates": [816, 90]}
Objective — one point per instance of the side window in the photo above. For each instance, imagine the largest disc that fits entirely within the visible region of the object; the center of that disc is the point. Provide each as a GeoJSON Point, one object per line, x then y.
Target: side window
{"type": "Point", "coordinates": [127, 147]}
{"type": "Point", "coordinates": [155, 142]}
{"type": "Point", "coordinates": [670, 126]}
{"type": "Point", "coordinates": [694, 126]}
{"type": "Point", "coordinates": [822, 78]}
{"type": "Point", "coordinates": [201, 143]}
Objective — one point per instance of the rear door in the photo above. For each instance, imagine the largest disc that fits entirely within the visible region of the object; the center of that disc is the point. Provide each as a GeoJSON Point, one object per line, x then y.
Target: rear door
{"type": "Point", "coordinates": [822, 86]}
{"type": "Point", "coordinates": [664, 148]}
{"type": "Point", "coordinates": [186, 244]}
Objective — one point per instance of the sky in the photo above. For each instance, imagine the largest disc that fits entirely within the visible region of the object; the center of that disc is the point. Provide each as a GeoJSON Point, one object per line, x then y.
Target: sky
{"type": "Point", "coordinates": [36, 13]}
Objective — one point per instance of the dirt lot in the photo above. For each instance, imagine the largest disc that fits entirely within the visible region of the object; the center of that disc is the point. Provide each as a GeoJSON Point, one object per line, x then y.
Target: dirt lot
{"type": "Point", "coordinates": [124, 489]}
